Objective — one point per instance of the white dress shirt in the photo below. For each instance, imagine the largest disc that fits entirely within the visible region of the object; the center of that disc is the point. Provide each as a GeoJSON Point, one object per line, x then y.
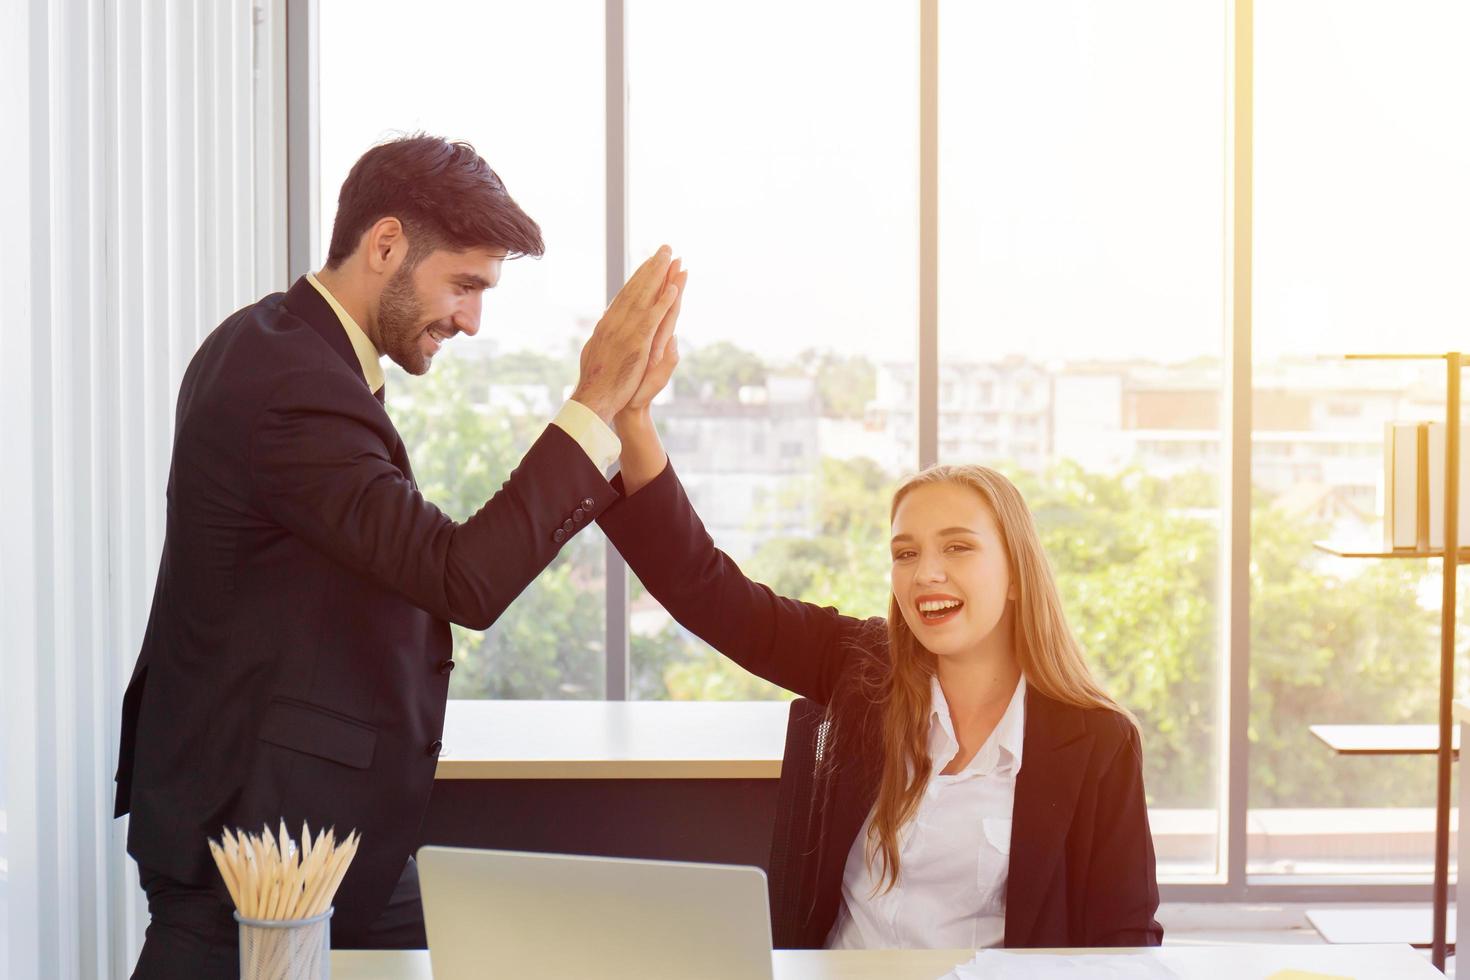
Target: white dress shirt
{"type": "Point", "coordinates": [954, 854]}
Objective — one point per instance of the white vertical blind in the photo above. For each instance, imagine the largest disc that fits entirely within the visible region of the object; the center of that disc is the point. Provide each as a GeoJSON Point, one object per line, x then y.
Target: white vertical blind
{"type": "Point", "coordinates": [143, 200]}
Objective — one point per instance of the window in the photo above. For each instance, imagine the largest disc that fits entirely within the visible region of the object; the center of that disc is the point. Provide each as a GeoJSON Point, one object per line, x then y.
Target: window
{"type": "Point", "coordinates": [550, 643]}
{"type": "Point", "coordinates": [1081, 244]}
{"type": "Point", "coordinates": [1351, 257]}
{"type": "Point", "coordinates": [1081, 327]}
{"type": "Point", "coordinates": [792, 193]}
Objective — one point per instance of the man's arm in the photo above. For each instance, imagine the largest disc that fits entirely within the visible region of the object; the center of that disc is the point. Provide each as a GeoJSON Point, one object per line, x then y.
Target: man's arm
{"type": "Point", "coordinates": [320, 468]}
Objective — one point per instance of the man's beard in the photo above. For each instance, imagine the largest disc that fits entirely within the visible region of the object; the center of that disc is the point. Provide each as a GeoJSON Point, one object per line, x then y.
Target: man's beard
{"type": "Point", "coordinates": [399, 311]}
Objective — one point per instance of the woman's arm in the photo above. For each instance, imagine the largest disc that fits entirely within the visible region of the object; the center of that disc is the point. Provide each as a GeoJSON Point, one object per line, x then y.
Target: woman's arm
{"type": "Point", "coordinates": [643, 456]}
{"type": "Point", "coordinates": [796, 645]}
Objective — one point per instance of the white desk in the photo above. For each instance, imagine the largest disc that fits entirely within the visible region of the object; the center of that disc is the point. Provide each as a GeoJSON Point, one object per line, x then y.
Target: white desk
{"type": "Point", "coordinates": [1191, 962]}
{"type": "Point", "coordinates": [668, 780]}
{"type": "Point", "coordinates": [613, 740]}
{"type": "Point", "coordinates": [1413, 925]}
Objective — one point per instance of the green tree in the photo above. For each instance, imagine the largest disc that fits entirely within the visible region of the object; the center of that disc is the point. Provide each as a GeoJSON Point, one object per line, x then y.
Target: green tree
{"type": "Point", "coordinates": [1137, 561]}
{"type": "Point", "coordinates": [717, 372]}
{"type": "Point", "coordinates": [845, 383]}
{"type": "Point", "coordinates": [844, 564]}
{"type": "Point", "coordinates": [1334, 641]}
{"type": "Point", "coordinates": [530, 367]}
{"type": "Point", "coordinates": [550, 642]}
{"type": "Point", "coordinates": [1137, 574]}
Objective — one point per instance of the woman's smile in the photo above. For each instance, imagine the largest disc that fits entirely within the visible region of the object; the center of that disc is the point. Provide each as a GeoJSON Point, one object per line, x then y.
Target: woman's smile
{"type": "Point", "coordinates": [937, 608]}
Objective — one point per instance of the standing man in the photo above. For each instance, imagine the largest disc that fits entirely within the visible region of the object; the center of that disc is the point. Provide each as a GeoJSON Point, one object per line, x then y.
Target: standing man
{"type": "Point", "coordinates": [297, 656]}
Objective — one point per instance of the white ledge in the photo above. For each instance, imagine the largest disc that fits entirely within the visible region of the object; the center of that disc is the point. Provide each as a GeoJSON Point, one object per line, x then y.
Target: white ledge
{"type": "Point", "coordinates": [613, 740]}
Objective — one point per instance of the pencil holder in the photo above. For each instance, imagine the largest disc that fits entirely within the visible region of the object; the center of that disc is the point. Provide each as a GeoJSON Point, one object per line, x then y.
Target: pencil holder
{"type": "Point", "coordinates": [285, 949]}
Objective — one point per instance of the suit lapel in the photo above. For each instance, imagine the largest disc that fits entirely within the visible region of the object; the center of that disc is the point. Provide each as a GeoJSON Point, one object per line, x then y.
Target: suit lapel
{"type": "Point", "coordinates": [1053, 765]}
{"type": "Point", "coordinates": [308, 304]}
{"type": "Point", "coordinates": [304, 301]}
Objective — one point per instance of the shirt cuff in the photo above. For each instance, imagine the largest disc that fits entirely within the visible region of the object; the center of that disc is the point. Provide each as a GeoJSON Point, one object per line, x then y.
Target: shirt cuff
{"type": "Point", "coordinates": [597, 440]}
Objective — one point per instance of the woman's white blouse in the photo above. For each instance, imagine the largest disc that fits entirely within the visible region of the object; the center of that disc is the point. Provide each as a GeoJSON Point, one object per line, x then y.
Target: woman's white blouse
{"type": "Point", "coordinates": [954, 855]}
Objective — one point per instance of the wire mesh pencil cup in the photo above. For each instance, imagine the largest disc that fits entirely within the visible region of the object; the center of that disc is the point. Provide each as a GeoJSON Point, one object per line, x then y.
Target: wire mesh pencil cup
{"type": "Point", "coordinates": [285, 949]}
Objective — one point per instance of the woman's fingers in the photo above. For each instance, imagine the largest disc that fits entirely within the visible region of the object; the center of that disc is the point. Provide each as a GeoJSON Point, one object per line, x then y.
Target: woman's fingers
{"type": "Point", "coordinates": [666, 326]}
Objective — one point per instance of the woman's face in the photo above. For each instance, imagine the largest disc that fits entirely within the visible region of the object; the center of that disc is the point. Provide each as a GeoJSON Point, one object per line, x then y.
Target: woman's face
{"type": "Point", "coordinates": [951, 574]}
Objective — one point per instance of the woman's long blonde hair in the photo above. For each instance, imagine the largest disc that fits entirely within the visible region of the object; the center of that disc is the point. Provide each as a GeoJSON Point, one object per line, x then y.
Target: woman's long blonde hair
{"type": "Point", "coordinates": [1046, 651]}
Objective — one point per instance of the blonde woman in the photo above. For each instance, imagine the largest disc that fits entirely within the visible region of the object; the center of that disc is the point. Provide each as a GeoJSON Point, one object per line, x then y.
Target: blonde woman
{"type": "Point", "coordinates": [981, 789]}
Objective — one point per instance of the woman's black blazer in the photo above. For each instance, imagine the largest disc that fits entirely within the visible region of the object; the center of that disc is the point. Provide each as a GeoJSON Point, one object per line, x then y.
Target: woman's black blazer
{"type": "Point", "coordinates": [1082, 858]}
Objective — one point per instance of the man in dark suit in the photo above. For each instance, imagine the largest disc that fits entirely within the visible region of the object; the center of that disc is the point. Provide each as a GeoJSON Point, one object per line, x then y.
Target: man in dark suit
{"type": "Point", "coordinates": [297, 656]}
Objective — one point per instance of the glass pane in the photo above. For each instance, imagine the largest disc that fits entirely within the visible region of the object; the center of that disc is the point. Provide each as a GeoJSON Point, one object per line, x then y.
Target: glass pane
{"type": "Point", "coordinates": [792, 193]}
{"type": "Point", "coordinates": [1361, 206]}
{"type": "Point", "coordinates": [524, 84]}
{"type": "Point", "coordinates": [1081, 329]}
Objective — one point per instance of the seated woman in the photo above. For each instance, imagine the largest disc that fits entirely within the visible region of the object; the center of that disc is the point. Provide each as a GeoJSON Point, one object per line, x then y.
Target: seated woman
{"type": "Point", "coordinates": [981, 789]}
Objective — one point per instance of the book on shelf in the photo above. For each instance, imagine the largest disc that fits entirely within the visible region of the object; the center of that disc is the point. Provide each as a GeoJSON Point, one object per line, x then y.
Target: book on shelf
{"type": "Point", "coordinates": [1435, 480]}
{"type": "Point", "coordinates": [1406, 486]}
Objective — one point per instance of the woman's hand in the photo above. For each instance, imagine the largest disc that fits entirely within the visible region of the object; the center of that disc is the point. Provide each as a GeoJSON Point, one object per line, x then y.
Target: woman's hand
{"type": "Point", "coordinates": [643, 456]}
{"type": "Point", "coordinates": [663, 354]}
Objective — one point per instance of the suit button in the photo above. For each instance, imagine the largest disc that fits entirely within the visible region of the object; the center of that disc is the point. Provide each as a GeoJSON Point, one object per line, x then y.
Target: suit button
{"type": "Point", "coordinates": [434, 748]}
{"type": "Point", "coordinates": [588, 503]}
{"type": "Point", "coordinates": [568, 526]}
{"type": "Point", "coordinates": [559, 536]}
{"type": "Point", "coordinates": [446, 666]}
{"type": "Point", "coordinates": [579, 515]}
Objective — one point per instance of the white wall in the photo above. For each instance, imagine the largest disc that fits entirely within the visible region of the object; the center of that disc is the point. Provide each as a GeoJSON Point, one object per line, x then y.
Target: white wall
{"type": "Point", "coordinates": [142, 197]}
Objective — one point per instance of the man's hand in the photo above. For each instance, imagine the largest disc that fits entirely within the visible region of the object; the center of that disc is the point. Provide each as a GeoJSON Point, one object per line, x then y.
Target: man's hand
{"type": "Point", "coordinates": [615, 357]}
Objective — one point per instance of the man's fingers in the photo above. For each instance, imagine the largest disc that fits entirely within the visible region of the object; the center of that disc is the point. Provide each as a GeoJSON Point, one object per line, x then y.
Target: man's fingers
{"type": "Point", "coordinates": [643, 286]}
{"type": "Point", "coordinates": [657, 276]}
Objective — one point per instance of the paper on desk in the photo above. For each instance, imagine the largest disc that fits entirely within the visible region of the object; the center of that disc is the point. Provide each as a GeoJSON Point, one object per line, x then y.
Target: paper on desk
{"type": "Point", "coordinates": [995, 964]}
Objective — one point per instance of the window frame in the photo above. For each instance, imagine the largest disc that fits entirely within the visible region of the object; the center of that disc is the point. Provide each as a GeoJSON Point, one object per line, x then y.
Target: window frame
{"type": "Point", "coordinates": [1231, 883]}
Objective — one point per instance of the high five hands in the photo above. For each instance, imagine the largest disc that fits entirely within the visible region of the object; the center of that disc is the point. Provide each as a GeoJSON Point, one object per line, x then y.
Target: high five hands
{"type": "Point", "coordinates": [631, 353]}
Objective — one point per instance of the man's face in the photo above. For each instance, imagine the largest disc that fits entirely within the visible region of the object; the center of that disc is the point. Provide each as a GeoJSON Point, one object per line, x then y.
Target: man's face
{"type": "Point", "coordinates": [420, 308]}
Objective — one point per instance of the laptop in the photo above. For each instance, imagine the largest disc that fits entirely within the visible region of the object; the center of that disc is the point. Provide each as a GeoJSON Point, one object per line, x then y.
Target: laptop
{"type": "Point", "coordinates": [517, 914]}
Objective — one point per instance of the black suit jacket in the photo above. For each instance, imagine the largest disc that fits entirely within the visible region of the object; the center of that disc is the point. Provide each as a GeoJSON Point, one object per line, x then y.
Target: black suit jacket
{"type": "Point", "coordinates": [1082, 858]}
{"type": "Point", "coordinates": [297, 655]}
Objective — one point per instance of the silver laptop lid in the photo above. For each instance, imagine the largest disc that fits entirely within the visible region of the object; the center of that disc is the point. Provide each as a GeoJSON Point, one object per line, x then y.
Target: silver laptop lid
{"type": "Point", "coordinates": [515, 914]}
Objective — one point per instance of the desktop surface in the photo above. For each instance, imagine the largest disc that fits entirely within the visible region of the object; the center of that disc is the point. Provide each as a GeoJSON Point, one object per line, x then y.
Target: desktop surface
{"type": "Point", "coordinates": [1189, 961]}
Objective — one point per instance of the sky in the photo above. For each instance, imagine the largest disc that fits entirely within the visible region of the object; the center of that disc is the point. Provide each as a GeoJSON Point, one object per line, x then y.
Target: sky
{"type": "Point", "coordinates": [1082, 167]}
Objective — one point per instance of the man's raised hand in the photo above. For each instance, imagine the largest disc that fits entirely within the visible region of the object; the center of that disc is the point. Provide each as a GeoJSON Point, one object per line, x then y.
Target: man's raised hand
{"type": "Point", "coordinates": [615, 358]}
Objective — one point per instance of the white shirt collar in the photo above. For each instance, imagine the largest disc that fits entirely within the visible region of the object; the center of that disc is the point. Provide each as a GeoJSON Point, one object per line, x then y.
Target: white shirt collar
{"type": "Point", "coordinates": [367, 354]}
{"type": "Point", "coordinates": [1001, 753]}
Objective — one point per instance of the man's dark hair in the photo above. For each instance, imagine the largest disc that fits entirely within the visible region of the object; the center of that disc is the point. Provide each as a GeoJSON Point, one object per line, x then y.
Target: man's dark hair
{"type": "Point", "coordinates": [445, 195]}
